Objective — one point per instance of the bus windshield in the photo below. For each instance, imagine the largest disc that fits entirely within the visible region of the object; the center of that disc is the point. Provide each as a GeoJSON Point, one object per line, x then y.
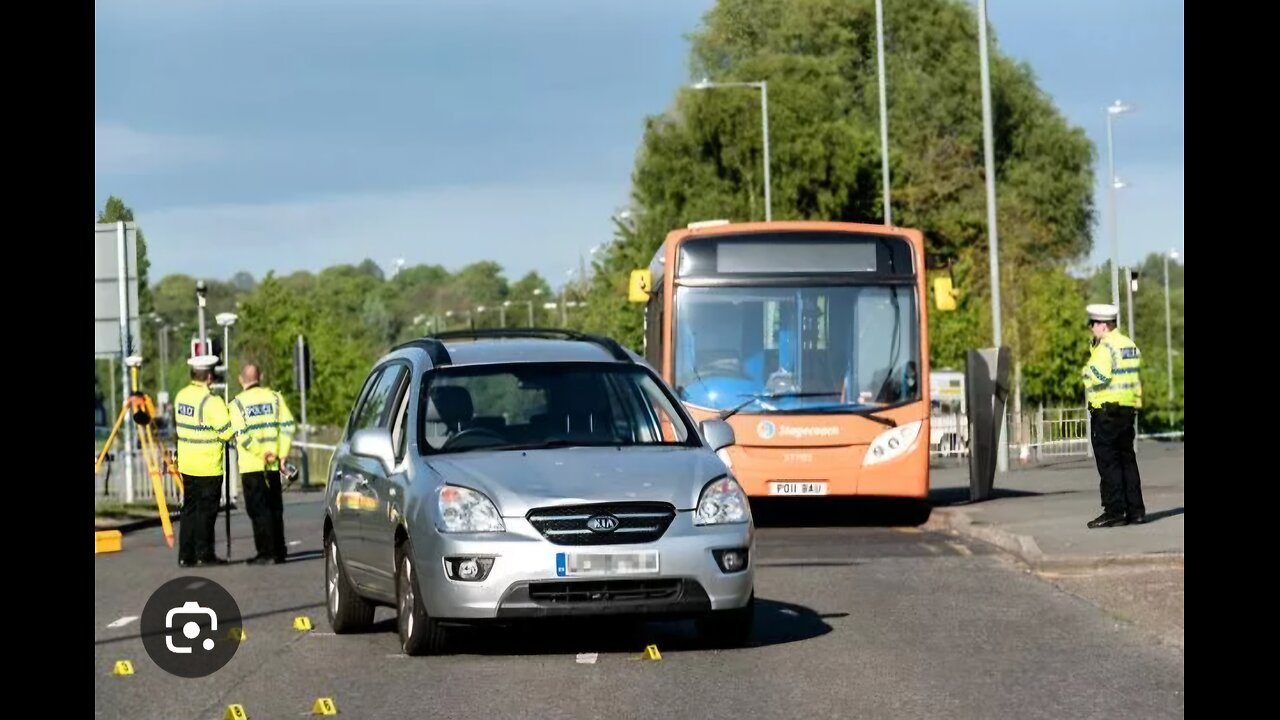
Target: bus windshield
{"type": "Point", "coordinates": [802, 349]}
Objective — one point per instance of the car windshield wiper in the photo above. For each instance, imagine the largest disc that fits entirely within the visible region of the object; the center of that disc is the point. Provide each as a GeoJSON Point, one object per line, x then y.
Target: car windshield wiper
{"type": "Point", "coordinates": [726, 414]}
{"type": "Point", "coordinates": [547, 444]}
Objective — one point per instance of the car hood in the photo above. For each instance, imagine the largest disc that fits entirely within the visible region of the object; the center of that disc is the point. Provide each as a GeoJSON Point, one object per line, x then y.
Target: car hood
{"type": "Point", "coordinates": [518, 481]}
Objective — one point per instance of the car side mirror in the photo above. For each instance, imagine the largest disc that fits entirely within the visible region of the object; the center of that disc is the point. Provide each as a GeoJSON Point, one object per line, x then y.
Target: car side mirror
{"type": "Point", "coordinates": [374, 443]}
{"type": "Point", "coordinates": [718, 434]}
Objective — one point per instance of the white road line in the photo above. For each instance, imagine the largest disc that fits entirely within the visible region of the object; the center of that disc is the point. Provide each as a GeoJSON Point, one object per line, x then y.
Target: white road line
{"type": "Point", "coordinates": [294, 542]}
{"type": "Point", "coordinates": [587, 658]}
{"type": "Point", "coordinates": [960, 549]}
{"type": "Point", "coordinates": [123, 621]}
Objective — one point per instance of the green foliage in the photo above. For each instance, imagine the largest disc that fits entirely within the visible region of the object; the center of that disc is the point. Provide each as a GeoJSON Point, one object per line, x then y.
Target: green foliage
{"type": "Point", "coordinates": [702, 159]}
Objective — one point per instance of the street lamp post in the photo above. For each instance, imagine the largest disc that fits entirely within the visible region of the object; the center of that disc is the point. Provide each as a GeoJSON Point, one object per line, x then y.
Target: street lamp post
{"type": "Point", "coordinates": [1002, 454]}
{"type": "Point", "coordinates": [884, 113]}
{"type": "Point", "coordinates": [1168, 324]}
{"type": "Point", "coordinates": [764, 123]}
{"type": "Point", "coordinates": [1113, 110]}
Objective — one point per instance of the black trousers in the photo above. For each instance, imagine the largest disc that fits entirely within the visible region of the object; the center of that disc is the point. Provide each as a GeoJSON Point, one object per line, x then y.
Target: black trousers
{"type": "Point", "coordinates": [265, 505]}
{"type": "Point", "coordinates": [200, 499]}
{"type": "Point", "coordinates": [1112, 437]}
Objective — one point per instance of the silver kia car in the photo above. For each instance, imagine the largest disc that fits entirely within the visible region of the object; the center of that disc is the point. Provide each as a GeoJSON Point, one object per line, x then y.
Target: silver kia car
{"type": "Point", "coordinates": [504, 475]}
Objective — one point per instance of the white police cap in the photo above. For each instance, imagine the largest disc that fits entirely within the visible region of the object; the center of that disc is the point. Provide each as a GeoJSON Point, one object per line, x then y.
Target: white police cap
{"type": "Point", "coordinates": [203, 362]}
{"type": "Point", "coordinates": [1103, 313]}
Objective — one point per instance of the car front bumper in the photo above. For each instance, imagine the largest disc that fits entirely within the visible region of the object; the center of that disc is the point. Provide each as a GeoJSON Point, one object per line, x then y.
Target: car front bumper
{"type": "Point", "coordinates": [523, 580]}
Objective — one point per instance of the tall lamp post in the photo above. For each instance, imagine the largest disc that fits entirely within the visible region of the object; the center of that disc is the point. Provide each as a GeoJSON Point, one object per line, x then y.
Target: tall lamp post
{"type": "Point", "coordinates": [1168, 324]}
{"type": "Point", "coordinates": [1002, 454]}
{"type": "Point", "coordinates": [705, 84]}
{"type": "Point", "coordinates": [884, 113]}
{"type": "Point", "coordinates": [1113, 110]}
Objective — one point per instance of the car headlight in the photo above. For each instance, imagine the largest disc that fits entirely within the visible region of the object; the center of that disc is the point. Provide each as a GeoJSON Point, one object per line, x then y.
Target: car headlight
{"type": "Point", "coordinates": [892, 442]}
{"type": "Point", "coordinates": [465, 510]}
{"type": "Point", "coordinates": [722, 502]}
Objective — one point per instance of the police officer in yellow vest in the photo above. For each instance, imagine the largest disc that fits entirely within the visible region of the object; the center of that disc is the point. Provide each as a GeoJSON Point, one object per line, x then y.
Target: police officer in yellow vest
{"type": "Point", "coordinates": [203, 426]}
{"type": "Point", "coordinates": [264, 431]}
{"type": "Point", "coordinates": [1114, 394]}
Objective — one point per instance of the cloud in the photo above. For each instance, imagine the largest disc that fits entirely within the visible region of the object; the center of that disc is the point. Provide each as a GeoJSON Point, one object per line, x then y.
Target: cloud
{"type": "Point", "coordinates": [539, 227]}
{"type": "Point", "coordinates": [122, 150]}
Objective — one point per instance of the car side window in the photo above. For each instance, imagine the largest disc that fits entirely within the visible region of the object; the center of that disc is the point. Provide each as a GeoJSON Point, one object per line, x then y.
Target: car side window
{"type": "Point", "coordinates": [398, 433]}
{"type": "Point", "coordinates": [377, 406]}
{"type": "Point", "coordinates": [362, 400]}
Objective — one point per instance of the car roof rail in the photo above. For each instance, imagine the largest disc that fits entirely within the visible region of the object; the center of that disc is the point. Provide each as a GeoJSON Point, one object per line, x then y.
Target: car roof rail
{"type": "Point", "coordinates": [608, 343]}
{"type": "Point", "coordinates": [435, 350]}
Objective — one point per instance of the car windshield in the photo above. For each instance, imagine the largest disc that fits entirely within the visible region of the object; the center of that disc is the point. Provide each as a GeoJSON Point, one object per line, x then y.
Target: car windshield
{"type": "Point", "coordinates": [806, 349]}
{"type": "Point", "coordinates": [537, 405]}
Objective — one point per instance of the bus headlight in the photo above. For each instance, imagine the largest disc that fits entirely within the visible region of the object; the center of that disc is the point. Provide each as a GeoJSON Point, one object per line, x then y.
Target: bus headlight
{"type": "Point", "coordinates": [892, 442]}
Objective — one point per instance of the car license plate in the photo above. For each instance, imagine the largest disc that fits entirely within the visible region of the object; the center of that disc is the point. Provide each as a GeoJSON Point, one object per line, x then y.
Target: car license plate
{"type": "Point", "coordinates": [797, 488]}
{"type": "Point", "coordinates": [587, 564]}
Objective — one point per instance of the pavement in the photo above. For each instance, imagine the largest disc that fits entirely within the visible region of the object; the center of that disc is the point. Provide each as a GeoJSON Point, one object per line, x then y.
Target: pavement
{"type": "Point", "coordinates": [1039, 513]}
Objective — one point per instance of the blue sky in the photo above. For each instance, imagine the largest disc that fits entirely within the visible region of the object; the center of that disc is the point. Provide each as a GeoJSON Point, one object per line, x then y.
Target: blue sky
{"type": "Point", "coordinates": [297, 134]}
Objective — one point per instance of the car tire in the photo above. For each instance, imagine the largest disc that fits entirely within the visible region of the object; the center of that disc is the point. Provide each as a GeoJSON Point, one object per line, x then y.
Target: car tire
{"type": "Point", "coordinates": [729, 628]}
{"type": "Point", "coordinates": [419, 633]}
{"type": "Point", "coordinates": [348, 612]}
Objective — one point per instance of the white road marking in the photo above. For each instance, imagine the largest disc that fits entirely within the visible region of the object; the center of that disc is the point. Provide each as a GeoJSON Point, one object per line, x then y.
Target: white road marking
{"type": "Point", "coordinates": [294, 542]}
{"type": "Point", "coordinates": [123, 621]}
{"type": "Point", "coordinates": [587, 658]}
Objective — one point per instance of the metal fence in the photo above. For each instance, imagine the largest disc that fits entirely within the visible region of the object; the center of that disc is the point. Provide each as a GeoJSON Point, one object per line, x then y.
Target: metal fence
{"type": "Point", "coordinates": [1033, 436]}
{"type": "Point", "coordinates": [1041, 434]}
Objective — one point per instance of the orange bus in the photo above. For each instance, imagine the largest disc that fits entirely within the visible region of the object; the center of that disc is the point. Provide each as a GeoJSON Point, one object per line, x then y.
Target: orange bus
{"type": "Point", "coordinates": [810, 339]}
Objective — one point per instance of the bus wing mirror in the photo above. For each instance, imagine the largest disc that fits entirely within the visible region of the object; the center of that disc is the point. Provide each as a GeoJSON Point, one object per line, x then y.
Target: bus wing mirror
{"type": "Point", "coordinates": [944, 295]}
{"type": "Point", "coordinates": [641, 285]}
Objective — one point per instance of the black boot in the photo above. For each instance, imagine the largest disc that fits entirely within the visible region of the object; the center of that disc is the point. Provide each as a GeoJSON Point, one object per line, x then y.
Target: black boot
{"type": "Point", "coordinates": [1106, 520]}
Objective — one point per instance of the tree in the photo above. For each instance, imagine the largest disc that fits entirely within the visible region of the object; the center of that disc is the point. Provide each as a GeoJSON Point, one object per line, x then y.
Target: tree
{"type": "Point", "coordinates": [701, 159]}
{"type": "Point", "coordinates": [243, 281]}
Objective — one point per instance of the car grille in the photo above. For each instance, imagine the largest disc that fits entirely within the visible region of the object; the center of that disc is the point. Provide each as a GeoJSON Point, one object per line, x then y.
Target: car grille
{"type": "Point", "coordinates": [603, 591]}
{"type": "Point", "coordinates": [638, 522]}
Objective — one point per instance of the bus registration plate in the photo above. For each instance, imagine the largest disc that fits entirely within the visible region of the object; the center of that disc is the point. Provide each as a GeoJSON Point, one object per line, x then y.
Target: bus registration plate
{"type": "Point", "coordinates": [797, 488]}
{"type": "Point", "coordinates": [580, 564]}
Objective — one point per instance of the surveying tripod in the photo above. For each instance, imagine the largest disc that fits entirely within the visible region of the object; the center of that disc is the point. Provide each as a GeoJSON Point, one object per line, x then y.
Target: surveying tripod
{"type": "Point", "coordinates": [139, 406]}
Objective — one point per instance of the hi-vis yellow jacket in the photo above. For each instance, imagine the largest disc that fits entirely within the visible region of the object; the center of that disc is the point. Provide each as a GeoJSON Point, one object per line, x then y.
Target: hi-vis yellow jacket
{"type": "Point", "coordinates": [203, 425]}
{"type": "Point", "coordinates": [262, 423]}
{"type": "Point", "coordinates": [1112, 373]}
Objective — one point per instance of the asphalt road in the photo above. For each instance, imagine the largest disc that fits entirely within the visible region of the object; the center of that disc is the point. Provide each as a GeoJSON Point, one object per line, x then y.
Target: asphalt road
{"type": "Point", "coordinates": [863, 620]}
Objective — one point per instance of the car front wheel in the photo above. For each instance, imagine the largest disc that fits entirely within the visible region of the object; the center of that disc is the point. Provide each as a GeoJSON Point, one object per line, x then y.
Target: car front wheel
{"type": "Point", "coordinates": [348, 612]}
{"type": "Point", "coordinates": [419, 634]}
